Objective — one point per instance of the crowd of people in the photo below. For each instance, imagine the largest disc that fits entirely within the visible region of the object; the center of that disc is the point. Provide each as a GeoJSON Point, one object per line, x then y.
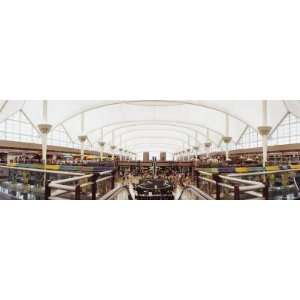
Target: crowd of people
{"type": "Point", "coordinates": [176, 179]}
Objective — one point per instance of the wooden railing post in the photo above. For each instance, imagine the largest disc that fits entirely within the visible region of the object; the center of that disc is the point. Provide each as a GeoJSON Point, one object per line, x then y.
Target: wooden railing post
{"type": "Point", "coordinates": [113, 179]}
{"type": "Point", "coordinates": [77, 191]}
{"type": "Point", "coordinates": [266, 190]}
{"type": "Point", "coordinates": [237, 192]}
{"type": "Point", "coordinates": [94, 186]}
{"type": "Point", "coordinates": [47, 190]}
{"type": "Point", "coordinates": [217, 179]}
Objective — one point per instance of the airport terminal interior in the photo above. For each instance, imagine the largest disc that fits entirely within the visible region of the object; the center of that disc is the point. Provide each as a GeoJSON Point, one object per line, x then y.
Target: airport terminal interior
{"type": "Point", "coordinates": [150, 150]}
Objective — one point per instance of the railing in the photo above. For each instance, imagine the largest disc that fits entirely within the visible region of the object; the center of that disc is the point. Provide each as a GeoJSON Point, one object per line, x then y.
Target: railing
{"type": "Point", "coordinates": [263, 173]}
{"type": "Point", "coordinates": [227, 187]}
{"type": "Point", "coordinates": [118, 193]}
{"type": "Point", "coordinates": [190, 192]}
{"type": "Point", "coordinates": [250, 188]}
{"type": "Point", "coordinates": [44, 171]}
{"type": "Point", "coordinates": [27, 183]}
{"type": "Point", "coordinates": [75, 187]}
{"type": "Point", "coordinates": [280, 184]}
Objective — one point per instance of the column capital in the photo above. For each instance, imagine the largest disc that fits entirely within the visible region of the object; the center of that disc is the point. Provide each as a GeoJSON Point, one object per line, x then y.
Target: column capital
{"type": "Point", "coordinates": [227, 139]}
{"type": "Point", "coordinates": [264, 130]}
{"type": "Point", "coordinates": [101, 143]}
{"type": "Point", "coordinates": [82, 138]}
{"type": "Point", "coordinates": [44, 128]}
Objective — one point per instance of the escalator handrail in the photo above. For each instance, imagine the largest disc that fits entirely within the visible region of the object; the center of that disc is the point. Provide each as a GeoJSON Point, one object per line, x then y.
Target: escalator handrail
{"type": "Point", "coordinates": [196, 191]}
{"type": "Point", "coordinates": [116, 191]}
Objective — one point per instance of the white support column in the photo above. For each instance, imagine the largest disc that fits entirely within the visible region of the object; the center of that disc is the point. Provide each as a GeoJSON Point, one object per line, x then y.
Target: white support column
{"type": "Point", "coordinates": [196, 149]}
{"type": "Point", "coordinates": [207, 143]}
{"type": "Point", "coordinates": [44, 138]}
{"type": "Point", "coordinates": [113, 146]}
{"type": "Point", "coordinates": [227, 134]}
{"type": "Point", "coordinates": [265, 136]}
{"type": "Point", "coordinates": [197, 145]}
{"type": "Point", "coordinates": [265, 149]}
{"type": "Point", "coordinates": [264, 113]}
{"type": "Point", "coordinates": [44, 148]}
{"type": "Point", "coordinates": [19, 124]}
{"type": "Point", "coordinates": [120, 149]}
{"type": "Point", "coordinates": [101, 145]}
{"type": "Point", "coordinates": [121, 153]}
{"type": "Point", "coordinates": [188, 151]}
{"type": "Point", "coordinates": [44, 128]}
{"type": "Point", "coordinates": [82, 138]}
{"type": "Point", "coordinates": [45, 111]}
{"type": "Point", "coordinates": [227, 139]}
{"type": "Point", "coordinates": [264, 131]}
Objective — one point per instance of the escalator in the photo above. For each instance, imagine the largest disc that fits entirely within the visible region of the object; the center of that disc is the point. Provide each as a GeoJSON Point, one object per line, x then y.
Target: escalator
{"type": "Point", "coordinates": [191, 192]}
{"type": "Point", "coordinates": [188, 193]}
{"type": "Point", "coordinates": [118, 193]}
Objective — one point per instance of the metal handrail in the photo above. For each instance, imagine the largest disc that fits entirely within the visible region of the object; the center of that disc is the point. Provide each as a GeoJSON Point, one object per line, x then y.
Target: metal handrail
{"type": "Point", "coordinates": [66, 180]}
{"type": "Point", "coordinates": [97, 181]}
{"type": "Point", "coordinates": [61, 184]}
{"type": "Point", "coordinates": [262, 173]}
{"type": "Point", "coordinates": [70, 188]}
{"type": "Point", "coordinates": [231, 187]}
{"type": "Point", "coordinates": [104, 178]}
{"type": "Point", "coordinates": [205, 173]}
{"type": "Point", "coordinates": [207, 179]}
{"type": "Point", "coordinates": [60, 181]}
{"type": "Point", "coordinates": [196, 191]}
{"type": "Point", "coordinates": [252, 185]}
{"type": "Point", "coordinates": [41, 170]}
{"type": "Point", "coordinates": [252, 193]}
{"type": "Point", "coordinates": [249, 182]}
{"type": "Point", "coordinates": [239, 185]}
{"type": "Point", "coordinates": [117, 190]}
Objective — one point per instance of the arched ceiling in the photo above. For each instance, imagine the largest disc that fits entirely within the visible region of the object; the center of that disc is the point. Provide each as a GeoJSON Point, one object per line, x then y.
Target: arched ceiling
{"type": "Point", "coordinates": [181, 118]}
{"type": "Point", "coordinates": [191, 136]}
